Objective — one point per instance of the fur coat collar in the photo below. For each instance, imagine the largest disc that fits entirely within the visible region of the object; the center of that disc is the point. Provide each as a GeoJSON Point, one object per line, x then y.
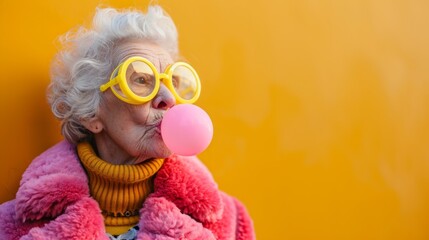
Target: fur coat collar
{"type": "Point", "coordinates": [53, 202]}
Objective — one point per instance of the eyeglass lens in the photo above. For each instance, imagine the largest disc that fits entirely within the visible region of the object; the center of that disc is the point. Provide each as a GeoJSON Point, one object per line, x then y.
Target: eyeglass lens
{"type": "Point", "coordinates": [140, 79]}
{"type": "Point", "coordinates": [184, 82]}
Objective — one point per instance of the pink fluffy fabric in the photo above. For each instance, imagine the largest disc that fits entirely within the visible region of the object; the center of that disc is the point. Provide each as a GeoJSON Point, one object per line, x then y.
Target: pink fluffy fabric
{"type": "Point", "coordinates": [53, 202]}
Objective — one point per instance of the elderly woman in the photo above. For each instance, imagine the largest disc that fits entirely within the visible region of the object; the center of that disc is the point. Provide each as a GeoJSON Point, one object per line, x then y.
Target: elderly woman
{"type": "Point", "coordinates": [113, 177]}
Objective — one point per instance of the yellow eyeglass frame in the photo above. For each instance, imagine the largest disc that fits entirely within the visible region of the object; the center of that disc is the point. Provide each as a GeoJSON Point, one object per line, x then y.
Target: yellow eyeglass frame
{"type": "Point", "coordinates": [133, 98]}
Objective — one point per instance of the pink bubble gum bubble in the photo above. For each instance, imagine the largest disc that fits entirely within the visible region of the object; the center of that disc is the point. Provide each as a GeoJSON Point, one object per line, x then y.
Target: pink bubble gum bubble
{"type": "Point", "coordinates": [186, 129]}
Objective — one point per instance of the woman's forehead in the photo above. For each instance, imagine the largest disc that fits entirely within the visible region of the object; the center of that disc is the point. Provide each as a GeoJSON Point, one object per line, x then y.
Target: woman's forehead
{"type": "Point", "coordinates": [151, 51]}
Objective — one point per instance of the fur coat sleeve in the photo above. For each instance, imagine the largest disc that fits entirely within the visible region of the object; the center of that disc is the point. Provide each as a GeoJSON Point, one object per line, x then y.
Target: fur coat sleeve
{"type": "Point", "coordinates": [53, 202]}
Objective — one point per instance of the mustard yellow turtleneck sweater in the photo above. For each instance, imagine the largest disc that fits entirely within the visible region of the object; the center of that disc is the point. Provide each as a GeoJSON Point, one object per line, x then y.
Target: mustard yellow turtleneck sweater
{"type": "Point", "coordinates": [120, 190]}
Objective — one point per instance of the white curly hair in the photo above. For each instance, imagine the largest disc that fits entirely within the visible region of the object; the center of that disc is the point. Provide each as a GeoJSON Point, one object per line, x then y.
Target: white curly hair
{"type": "Point", "coordinates": [86, 61]}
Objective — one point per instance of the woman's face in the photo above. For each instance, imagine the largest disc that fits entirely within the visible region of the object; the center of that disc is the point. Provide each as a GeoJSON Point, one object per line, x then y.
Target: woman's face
{"type": "Point", "coordinates": [126, 133]}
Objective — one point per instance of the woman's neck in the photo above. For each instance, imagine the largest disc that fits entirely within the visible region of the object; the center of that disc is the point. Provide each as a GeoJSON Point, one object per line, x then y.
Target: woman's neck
{"type": "Point", "coordinates": [112, 153]}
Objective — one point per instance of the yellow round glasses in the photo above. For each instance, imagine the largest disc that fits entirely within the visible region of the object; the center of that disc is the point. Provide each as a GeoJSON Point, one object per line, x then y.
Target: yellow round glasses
{"type": "Point", "coordinates": [136, 81]}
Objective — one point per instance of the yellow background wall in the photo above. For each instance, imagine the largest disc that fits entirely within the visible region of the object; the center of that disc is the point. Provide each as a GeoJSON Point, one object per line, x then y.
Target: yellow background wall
{"type": "Point", "coordinates": [320, 108]}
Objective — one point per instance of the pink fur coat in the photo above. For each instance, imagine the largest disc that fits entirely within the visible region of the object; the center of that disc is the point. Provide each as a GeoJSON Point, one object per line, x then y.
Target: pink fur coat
{"type": "Point", "coordinates": [53, 202]}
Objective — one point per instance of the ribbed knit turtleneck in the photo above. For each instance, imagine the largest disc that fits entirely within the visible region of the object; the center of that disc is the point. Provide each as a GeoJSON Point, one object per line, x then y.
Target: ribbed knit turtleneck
{"type": "Point", "coordinates": [120, 190]}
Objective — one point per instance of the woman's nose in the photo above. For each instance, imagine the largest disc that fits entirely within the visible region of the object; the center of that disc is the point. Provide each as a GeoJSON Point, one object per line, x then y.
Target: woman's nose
{"type": "Point", "coordinates": [164, 99]}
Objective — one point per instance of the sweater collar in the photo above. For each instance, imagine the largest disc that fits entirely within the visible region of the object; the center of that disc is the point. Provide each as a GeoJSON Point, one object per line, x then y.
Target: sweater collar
{"type": "Point", "coordinates": [120, 190]}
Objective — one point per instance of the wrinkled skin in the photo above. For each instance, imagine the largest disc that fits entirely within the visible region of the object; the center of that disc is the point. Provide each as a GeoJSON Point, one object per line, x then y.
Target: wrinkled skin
{"type": "Point", "coordinates": [130, 134]}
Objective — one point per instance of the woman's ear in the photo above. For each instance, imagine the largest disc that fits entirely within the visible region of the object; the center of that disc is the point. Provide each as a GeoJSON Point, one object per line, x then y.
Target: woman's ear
{"type": "Point", "coordinates": [93, 124]}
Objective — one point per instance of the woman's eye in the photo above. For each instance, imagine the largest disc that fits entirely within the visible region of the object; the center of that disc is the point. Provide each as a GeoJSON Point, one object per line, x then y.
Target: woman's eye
{"type": "Point", "coordinates": [176, 81]}
{"type": "Point", "coordinates": [142, 79]}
